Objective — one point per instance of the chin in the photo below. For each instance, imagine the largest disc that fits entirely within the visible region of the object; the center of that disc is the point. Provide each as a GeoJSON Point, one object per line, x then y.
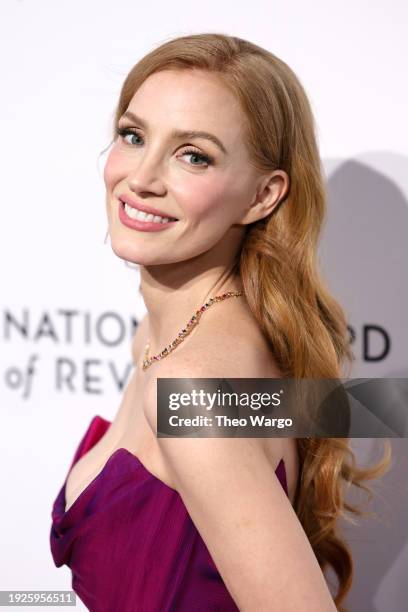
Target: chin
{"type": "Point", "coordinates": [126, 251]}
{"type": "Point", "coordinates": [132, 255]}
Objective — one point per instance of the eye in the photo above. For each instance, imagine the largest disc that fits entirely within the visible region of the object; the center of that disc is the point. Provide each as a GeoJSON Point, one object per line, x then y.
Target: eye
{"type": "Point", "coordinates": [123, 132]}
{"type": "Point", "coordinates": [205, 158]}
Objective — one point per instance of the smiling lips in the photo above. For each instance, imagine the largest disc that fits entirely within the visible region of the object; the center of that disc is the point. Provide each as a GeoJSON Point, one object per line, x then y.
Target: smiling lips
{"type": "Point", "coordinates": [143, 221]}
{"type": "Point", "coordinates": [139, 206]}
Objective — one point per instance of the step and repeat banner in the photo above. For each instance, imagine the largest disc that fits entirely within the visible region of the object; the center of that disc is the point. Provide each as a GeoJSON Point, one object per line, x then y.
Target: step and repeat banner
{"type": "Point", "coordinates": [70, 307]}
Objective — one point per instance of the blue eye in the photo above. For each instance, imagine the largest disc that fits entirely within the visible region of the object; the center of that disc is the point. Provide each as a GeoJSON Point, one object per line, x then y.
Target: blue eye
{"type": "Point", "coordinates": [124, 132]}
{"type": "Point", "coordinates": [196, 154]}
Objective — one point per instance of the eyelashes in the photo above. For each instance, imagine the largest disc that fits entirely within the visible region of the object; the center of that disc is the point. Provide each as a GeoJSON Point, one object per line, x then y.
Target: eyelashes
{"type": "Point", "coordinates": [202, 156]}
{"type": "Point", "coordinates": [208, 160]}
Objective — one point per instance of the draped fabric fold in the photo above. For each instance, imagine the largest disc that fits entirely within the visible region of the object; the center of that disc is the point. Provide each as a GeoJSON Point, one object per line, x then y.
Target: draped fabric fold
{"type": "Point", "coordinates": [130, 542]}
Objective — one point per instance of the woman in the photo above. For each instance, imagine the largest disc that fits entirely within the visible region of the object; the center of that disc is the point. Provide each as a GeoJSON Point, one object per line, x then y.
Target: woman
{"type": "Point", "coordinates": [214, 187]}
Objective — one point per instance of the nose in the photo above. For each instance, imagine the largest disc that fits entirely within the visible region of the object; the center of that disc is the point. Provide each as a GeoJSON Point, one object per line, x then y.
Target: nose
{"type": "Point", "coordinates": [146, 176]}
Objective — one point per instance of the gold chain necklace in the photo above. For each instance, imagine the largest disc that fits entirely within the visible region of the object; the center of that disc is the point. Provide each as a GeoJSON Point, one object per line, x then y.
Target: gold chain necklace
{"type": "Point", "coordinates": [147, 361]}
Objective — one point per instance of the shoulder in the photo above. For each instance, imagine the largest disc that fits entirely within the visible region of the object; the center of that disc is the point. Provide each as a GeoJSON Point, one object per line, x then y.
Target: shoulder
{"type": "Point", "coordinates": [240, 509]}
{"type": "Point", "coordinates": [227, 351]}
{"type": "Point", "coordinates": [229, 346]}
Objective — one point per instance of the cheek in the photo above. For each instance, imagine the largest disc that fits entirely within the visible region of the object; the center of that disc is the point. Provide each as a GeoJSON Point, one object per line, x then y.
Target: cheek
{"type": "Point", "coordinates": [209, 197]}
{"type": "Point", "coordinates": [114, 168]}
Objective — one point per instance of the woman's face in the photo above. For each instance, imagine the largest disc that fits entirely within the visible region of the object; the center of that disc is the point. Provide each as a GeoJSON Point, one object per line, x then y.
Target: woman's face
{"type": "Point", "coordinates": [207, 184]}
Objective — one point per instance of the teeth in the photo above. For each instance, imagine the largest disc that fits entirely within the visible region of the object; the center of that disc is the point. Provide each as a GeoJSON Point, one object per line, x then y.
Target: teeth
{"type": "Point", "coordinates": [134, 213]}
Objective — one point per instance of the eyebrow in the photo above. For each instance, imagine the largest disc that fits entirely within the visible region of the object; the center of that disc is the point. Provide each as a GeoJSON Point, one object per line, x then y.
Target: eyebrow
{"type": "Point", "coordinates": [180, 133]}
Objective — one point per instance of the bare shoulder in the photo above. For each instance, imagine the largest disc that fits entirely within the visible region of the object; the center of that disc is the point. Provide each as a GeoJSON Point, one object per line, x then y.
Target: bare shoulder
{"type": "Point", "coordinates": [233, 347]}
{"type": "Point", "coordinates": [239, 507]}
{"type": "Point", "coordinates": [227, 351]}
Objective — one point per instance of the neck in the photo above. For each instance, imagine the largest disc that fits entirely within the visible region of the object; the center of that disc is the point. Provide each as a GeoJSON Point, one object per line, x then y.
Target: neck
{"type": "Point", "coordinates": [173, 292]}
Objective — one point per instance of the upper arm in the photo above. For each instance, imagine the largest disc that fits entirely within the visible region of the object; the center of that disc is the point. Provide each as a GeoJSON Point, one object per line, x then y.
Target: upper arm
{"type": "Point", "coordinates": [240, 509]}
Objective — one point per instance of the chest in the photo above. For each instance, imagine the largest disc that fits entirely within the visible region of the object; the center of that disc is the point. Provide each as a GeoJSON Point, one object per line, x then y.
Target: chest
{"type": "Point", "coordinates": [130, 430]}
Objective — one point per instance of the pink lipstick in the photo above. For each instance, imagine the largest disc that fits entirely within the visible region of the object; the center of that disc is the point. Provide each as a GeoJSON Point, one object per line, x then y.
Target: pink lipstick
{"type": "Point", "coordinates": [143, 226]}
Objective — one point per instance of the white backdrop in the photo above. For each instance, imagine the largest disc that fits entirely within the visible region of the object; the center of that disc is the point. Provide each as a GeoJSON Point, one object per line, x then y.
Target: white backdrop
{"type": "Point", "coordinates": [69, 306]}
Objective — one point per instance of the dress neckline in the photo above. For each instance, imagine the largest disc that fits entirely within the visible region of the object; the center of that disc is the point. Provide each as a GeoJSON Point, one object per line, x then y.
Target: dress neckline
{"type": "Point", "coordinates": [118, 453]}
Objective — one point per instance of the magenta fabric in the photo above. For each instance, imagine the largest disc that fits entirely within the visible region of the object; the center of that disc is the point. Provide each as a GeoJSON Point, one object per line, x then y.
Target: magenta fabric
{"type": "Point", "coordinates": [130, 542]}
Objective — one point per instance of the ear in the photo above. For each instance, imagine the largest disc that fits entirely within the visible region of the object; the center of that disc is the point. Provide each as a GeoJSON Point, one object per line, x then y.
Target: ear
{"type": "Point", "coordinates": [271, 190]}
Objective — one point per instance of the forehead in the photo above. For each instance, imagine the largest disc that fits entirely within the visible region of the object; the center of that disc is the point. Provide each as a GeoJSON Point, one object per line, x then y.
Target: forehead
{"type": "Point", "coordinates": [189, 99]}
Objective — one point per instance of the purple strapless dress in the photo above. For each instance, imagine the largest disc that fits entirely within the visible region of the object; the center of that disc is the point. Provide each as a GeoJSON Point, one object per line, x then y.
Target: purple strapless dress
{"type": "Point", "coordinates": [131, 544]}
